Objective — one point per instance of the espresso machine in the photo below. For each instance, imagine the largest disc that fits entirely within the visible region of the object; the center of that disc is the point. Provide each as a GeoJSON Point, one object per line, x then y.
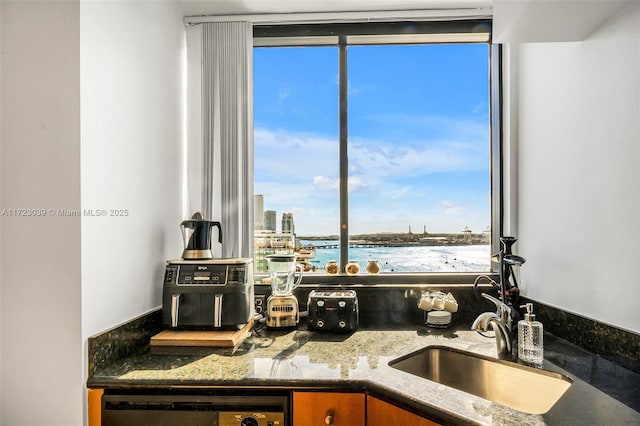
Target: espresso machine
{"type": "Point", "coordinates": [282, 305]}
{"type": "Point", "coordinates": [202, 293]}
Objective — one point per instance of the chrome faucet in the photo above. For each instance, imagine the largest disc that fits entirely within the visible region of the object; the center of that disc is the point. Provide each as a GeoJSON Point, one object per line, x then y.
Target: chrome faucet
{"type": "Point", "coordinates": [501, 323]}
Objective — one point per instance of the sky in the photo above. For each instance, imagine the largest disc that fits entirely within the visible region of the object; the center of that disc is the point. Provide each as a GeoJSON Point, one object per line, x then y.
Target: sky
{"type": "Point", "coordinates": [418, 120]}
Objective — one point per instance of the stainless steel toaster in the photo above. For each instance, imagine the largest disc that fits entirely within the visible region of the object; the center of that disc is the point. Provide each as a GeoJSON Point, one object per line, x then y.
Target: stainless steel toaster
{"type": "Point", "coordinates": [333, 310]}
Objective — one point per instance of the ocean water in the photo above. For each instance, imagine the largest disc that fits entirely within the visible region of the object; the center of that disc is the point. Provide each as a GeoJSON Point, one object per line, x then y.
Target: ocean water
{"type": "Point", "coordinates": [466, 258]}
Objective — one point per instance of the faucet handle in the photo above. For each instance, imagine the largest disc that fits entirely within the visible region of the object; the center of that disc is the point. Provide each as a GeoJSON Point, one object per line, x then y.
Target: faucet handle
{"type": "Point", "coordinates": [503, 310]}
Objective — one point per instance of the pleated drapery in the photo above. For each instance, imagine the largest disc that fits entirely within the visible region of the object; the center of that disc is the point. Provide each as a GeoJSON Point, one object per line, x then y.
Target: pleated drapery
{"type": "Point", "coordinates": [227, 125]}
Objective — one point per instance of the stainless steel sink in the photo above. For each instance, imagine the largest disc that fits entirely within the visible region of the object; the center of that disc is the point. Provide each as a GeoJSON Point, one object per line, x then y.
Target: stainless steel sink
{"type": "Point", "coordinates": [522, 388]}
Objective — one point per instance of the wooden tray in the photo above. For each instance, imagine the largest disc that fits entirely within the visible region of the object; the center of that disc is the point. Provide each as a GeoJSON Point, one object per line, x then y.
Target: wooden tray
{"type": "Point", "coordinates": [193, 338]}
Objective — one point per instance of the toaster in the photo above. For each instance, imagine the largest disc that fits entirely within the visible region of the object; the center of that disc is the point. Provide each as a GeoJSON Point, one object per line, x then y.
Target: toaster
{"type": "Point", "coordinates": [334, 310]}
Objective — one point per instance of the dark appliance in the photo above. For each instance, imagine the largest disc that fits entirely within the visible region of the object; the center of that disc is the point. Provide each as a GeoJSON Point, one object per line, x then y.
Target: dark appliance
{"type": "Point", "coordinates": [208, 294]}
{"type": "Point", "coordinates": [205, 408]}
{"type": "Point", "coordinates": [335, 310]}
{"type": "Point", "coordinates": [196, 233]}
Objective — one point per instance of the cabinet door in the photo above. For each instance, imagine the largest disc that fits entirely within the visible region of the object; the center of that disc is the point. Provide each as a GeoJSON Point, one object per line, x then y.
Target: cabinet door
{"type": "Point", "coordinates": [94, 407]}
{"type": "Point", "coordinates": [328, 408]}
{"type": "Point", "coordinates": [380, 413]}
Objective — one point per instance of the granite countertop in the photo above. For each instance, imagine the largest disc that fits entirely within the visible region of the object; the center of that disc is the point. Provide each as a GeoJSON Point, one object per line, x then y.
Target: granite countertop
{"type": "Point", "coordinates": [300, 359]}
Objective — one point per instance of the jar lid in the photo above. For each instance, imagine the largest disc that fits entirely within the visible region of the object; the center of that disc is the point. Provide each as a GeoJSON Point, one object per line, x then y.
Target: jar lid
{"type": "Point", "coordinates": [281, 257]}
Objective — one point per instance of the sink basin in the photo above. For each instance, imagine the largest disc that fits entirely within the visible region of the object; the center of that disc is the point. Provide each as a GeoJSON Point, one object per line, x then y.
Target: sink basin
{"type": "Point", "coordinates": [522, 388]}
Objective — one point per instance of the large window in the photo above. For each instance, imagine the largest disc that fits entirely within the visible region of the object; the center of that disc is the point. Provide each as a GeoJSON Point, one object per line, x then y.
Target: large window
{"type": "Point", "coordinates": [374, 148]}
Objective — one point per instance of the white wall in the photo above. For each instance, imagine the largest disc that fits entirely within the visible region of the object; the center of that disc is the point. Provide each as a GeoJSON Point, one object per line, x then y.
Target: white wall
{"type": "Point", "coordinates": [90, 118]}
{"type": "Point", "coordinates": [131, 58]}
{"type": "Point", "coordinates": [579, 172]}
{"type": "Point", "coordinates": [551, 20]}
{"type": "Point", "coordinates": [0, 208]}
{"type": "Point", "coordinates": [42, 377]}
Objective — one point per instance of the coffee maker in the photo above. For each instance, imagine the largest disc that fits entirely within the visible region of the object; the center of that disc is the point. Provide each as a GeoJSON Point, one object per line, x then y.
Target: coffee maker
{"type": "Point", "coordinates": [200, 292]}
{"type": "Point", "coordinates": [282, 305]}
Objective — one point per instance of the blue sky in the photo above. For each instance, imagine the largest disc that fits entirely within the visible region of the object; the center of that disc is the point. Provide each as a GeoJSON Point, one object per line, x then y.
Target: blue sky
{"type": "Point", "coordinates": [418, 137]}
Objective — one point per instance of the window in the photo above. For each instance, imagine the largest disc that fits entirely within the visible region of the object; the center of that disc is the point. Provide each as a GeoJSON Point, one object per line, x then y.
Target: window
{"type": "Point", "coordinates": [385, 132]}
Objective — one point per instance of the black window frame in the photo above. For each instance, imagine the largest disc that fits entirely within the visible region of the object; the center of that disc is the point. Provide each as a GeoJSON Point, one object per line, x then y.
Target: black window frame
{"type": "Point", "coordinates": [338, 34]}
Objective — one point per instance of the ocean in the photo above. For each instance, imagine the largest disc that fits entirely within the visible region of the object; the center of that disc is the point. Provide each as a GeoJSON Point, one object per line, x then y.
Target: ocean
{"type": "Point", "coordinates": [465, 258]}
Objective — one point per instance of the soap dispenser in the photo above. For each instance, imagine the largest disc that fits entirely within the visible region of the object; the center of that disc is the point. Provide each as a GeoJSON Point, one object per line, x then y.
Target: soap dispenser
{"type": "Point", "coordinates": [530, 334]}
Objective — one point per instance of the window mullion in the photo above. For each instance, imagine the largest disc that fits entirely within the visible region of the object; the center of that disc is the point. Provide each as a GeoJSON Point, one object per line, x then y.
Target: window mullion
{"type": "Point", "coordinates": [344, 161]}
{"type": "Point", "coordinates": [497, 174]}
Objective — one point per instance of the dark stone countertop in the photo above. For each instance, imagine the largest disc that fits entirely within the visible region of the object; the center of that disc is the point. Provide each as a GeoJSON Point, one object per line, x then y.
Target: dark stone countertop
{"type": "Point", "coordinates": [299, 359]}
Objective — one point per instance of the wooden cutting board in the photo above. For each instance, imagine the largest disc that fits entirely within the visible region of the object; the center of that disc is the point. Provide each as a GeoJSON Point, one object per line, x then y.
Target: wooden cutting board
{"type": "Point", "coordinates": [193, 338]}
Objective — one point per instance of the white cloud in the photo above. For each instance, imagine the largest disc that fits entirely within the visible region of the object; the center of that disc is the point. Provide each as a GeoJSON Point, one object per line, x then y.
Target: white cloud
{"type": "Point", "coordinates": [352, 89]}
{"type": "Point", "coordinates": [449, 207]}
{"type": "Point", "coordinates": [357, 184]}
{"type": "Point", "coordinates": [282, 155]}
{"type": "Point", "coordinates": [325, 183]}
{"type": "Point", "coordinates": [386, 160]}
{"type": "Point", "coordinates": [300, 156]}
{"type": "Point", "coordinates": [296, 170]}
{"type": "Point", "coordinates": [399, 193]}
{"type": "Point", "coordinates": [283, 94]}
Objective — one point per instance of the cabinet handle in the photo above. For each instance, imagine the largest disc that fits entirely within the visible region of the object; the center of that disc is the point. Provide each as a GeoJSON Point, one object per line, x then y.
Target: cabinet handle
{"type": "Point", "coordinates": [328, 419]}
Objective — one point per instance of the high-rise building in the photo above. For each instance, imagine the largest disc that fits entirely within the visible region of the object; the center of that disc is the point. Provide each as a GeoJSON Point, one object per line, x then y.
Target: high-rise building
{"type": "Point", "coordinates": [270, 220]}
{"type": "Point", "coordinates": [258, 212]}
{"type": "Point", "coordinates": [287, 224]}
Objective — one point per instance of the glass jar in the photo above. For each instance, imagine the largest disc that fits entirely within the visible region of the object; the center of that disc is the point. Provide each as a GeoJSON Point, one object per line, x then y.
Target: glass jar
{"type": "Point", "coordinates": [352, 268]}
{"type": "Point", "coordinates": [373, 267]}
{"type": "Point", "coordinates": [332, 267]}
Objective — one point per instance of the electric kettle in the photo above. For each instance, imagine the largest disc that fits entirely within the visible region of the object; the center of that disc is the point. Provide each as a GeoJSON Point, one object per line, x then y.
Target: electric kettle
{"type": "Point", "coordinates": [196, 233]}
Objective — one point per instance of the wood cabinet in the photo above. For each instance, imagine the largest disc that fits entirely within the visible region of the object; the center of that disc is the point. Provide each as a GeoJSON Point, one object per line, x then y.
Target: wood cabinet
{"type": "Point", "coordinates": [380, 413]}
{"type": "Point", "coordinates": [328, 408]}
{"type": "Point", "coordinates": [94, 406]}
{"type": "Point", "coordinates": [318, 409]}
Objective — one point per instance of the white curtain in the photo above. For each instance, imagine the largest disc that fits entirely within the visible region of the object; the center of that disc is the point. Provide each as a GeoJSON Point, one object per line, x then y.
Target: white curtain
{"type": "Point", "coordinates": [227, 133]}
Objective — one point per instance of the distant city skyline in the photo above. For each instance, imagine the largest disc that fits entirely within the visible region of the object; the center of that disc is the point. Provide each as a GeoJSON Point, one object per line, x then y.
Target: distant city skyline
{"type": "Point", "coordinates": [288, 222]}
{"type": "Point", "coordinates": [266, 219]}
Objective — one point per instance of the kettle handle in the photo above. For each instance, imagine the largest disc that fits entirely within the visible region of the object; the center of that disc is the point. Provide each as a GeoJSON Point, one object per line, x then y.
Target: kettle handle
{"type": "Point", "coordinates": [219, 226]}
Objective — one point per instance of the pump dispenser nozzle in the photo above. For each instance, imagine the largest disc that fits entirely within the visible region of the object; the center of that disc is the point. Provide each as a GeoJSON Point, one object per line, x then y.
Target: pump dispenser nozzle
{"type": "Point", "coordinates": [529, 316]}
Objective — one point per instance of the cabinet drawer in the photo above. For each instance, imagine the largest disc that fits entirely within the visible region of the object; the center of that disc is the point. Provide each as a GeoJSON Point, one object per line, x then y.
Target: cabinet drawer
{"type": "Point", "coordinates": [328, 408]}
{"type": "Point", "coordinates": [380, 413]}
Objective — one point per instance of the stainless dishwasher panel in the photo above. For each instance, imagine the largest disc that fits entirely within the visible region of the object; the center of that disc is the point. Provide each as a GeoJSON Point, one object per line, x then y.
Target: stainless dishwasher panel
{"type": "Point", "coordinates": [195, 409]}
